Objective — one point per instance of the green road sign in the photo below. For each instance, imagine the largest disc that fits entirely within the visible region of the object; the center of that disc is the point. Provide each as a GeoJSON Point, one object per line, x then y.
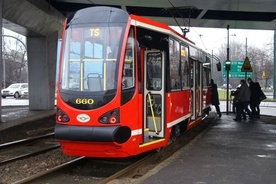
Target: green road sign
{"type": "Point", "coordinates": [235, 72]}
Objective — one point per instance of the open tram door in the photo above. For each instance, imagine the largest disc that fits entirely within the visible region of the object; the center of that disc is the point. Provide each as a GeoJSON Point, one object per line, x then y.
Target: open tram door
{"type": "Point", "coordinates": [196, 88]}
{"type": "Point", "coordinates": [154, 96]}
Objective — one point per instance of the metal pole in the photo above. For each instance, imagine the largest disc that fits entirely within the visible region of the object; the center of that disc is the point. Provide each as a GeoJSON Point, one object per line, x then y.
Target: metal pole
{"type": "Point", "coordinates": [1, 77]}
{"type": "Point", "coordinates": [245, 56]}
{"type": "Point", "coordinates": [212, 68]}
{"type": "Point", "coordinates": [274, 80]}
{"type": "Point", "coordinates": [4, 71]}
{"type": "Point", "coordinates": [16, 39]}
{"type": "Point", "coordinates": [227, 72]}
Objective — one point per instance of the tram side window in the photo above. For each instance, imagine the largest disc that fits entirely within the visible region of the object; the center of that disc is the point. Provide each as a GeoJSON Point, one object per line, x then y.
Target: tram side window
{"type": "Point", "coordinates": [128, 69]}
{"type": "Point", "coordinates": [175, 65]}
{"type": "Point", "coordinates": [184, 67]}
{"type": "Point", "coordinates": [128, 73]}
{"type": "Point", "coordinates": [207, 72]}
{"type": "Point", "coordinates": [206, 76]}
{"type": "Point", "coordinates": [191, 73]}
{"type": "Point", "coordinates": [197, 70]}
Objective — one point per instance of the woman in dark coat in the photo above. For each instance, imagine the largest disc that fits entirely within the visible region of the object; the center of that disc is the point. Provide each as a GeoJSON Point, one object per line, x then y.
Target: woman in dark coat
{"type": "Point", "coordinates": [255, 89]}
{"type": "Point", "coordinates": [215, 97]}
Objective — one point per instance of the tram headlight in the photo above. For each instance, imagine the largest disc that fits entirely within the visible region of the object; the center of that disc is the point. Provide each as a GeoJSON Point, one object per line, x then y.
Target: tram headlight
{"type": "Point", "coordinates": [110, 117]}
{"type": "Point", "coordinates": [61, 116]}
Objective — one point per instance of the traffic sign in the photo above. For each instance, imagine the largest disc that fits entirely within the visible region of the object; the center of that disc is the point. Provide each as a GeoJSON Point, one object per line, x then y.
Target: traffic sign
{"type": "Point", "coordinates": [235, 71]}
{"type": "Point", "coordinates": [246, 67]}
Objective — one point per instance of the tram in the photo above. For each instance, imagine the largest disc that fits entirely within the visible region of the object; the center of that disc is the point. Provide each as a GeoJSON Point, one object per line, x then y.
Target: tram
{"type": "Point", "coordinates": [126, 84]}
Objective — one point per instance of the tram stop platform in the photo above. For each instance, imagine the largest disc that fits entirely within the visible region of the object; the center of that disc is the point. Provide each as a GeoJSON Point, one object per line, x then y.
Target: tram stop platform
{"type": "Point", "coordinates": [227, 152]}
{"type": "Point", "coordinates": [15, 112]}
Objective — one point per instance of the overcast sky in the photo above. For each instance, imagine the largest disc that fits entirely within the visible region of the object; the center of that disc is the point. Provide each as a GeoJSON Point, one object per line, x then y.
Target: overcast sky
{"type": "Point", "coordinates": [212, 38]}
{"type": "Point", "coordinates": [13, 40]}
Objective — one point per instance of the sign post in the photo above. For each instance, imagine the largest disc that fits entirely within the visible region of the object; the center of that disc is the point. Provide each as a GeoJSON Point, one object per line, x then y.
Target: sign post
{"type": "Point", "coordinates": [235, 72]}
{"type": "Point", "coordinates": [246, 67]}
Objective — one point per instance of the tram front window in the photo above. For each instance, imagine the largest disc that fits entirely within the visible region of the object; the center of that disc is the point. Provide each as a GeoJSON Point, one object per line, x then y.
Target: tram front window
{"type": "Point", "coordinates": [91, 59]}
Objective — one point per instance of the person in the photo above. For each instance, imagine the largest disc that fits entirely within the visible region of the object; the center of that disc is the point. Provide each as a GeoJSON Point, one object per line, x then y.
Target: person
{"type": "Point", "coordinates": [235, 93]}
{"type": "Point", "coordinates": [243, 100]}
{"type": "Point", "coordinates": [255, 89]}
{"type": "Point", "coordinates": [215, 97]}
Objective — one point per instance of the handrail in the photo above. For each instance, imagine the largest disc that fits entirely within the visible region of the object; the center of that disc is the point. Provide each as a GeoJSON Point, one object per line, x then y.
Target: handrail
{"type": "Point", "coordinates": [153, 117]}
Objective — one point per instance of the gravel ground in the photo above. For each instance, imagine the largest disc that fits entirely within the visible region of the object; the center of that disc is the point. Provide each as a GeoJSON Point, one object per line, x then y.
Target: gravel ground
{"type": "Point", "coordinates": [21, 169]}
{"type": "Point", "coordinates": [17, 170]}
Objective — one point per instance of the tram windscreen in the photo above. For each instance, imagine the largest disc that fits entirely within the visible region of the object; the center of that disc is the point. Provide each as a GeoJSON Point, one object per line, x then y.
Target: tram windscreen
{"type": "Point", "coordinates": [90, 61]}
{"type": "Point", "coordinates": [90, 58]}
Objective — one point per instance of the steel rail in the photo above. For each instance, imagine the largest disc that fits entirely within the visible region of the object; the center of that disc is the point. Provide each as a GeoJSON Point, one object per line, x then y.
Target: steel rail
{"type": "Point", "coordinates": [25, 140]}
{"type": "Point", "coordinates": [127, 169]}
{"type": "Point", "coordinates": [48, 171]}
{"type": "Point", "coordinates": [29, 154]}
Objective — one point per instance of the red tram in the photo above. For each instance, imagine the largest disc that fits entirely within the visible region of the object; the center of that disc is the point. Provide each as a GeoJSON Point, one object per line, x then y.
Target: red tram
{"type": "Point", "coordinates": [126, 84]}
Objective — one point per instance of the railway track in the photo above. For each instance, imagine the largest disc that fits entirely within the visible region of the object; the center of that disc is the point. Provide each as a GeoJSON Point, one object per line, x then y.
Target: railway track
{"type": "Point", "coordinates": [55, 167]}
{"type": "Point", "coordinates": [56, 172]}
{"type": "Point", "coordinates": [19, 149]}
{"type": "Point", "coordinates": [48, 171]}
{"type": "Point", "coordinates": [129, 169]}
{"type": "Point", "coordinates": [4, 145]}
{"type": "Point", "coordinates": [100, 171]}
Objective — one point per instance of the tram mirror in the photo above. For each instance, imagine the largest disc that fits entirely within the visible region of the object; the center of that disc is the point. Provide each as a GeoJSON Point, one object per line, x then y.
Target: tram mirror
{"type": "Point", "coordinates": [164, 40]}
{"type": "Point", "coordinates": [144, 40]}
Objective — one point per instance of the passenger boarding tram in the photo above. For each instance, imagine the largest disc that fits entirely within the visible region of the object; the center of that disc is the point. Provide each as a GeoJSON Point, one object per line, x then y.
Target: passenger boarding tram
{"type": "Point", "coordinates": [126, 84]}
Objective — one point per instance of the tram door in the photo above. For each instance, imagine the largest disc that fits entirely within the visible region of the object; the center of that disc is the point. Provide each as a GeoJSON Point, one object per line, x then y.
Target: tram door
{"type": "Point", "coordinates": [153, 96]}
{"type": "Point", "coordinates": [196, 82]}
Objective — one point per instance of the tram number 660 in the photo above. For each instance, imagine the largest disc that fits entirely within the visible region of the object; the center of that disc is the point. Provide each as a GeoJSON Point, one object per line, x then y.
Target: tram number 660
{"type": "Point", "coordinates": [84, 101]}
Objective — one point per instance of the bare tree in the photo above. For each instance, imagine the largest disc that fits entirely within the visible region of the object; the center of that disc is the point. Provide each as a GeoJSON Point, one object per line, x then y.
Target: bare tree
{"type": "Point", "coordinates": [268, 72]}
{"type": "Point", "coordinates": [14, 60]}
{"type": "Point", "coordinates": [261, 60]}
{"type": "Point", "coordinates": [237, 51]}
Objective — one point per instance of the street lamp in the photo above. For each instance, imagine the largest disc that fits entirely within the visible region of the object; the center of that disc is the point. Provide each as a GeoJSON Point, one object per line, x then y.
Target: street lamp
{"type": "Point", "coordinates": [218, 65]}
{"type": "Point", "coordinates": [4, 61]}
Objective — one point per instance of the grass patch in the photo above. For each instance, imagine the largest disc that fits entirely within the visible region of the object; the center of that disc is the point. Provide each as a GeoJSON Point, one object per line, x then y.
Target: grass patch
{"type": "Point", "coordinates": [222, 96]}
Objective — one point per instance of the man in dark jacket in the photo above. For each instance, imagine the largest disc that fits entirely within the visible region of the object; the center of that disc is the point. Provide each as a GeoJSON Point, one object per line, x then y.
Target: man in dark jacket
{"type": "Point", "coordinates": [215, 97]}
{"type": "Point", "coordinates": [255, 97]}
{"type": "Point", "coordinates": [243, 100]}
